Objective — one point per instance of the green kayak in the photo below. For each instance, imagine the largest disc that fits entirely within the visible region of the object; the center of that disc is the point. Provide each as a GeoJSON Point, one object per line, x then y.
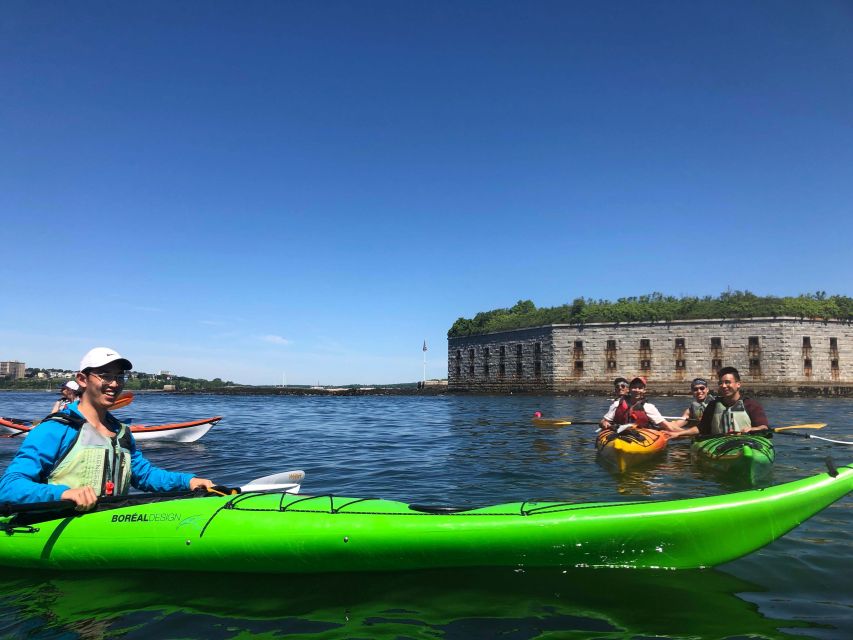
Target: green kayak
{"type": "Point", "coordinates": [739, 457]}
{"type": "Point", "coordinates": [282, 533]}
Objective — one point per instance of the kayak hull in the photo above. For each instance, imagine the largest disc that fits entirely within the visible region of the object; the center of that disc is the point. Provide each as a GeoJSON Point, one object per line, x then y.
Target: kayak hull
{"type": "Point", "coordinates": [738, 457]}
{"type": "Point", "coordinates": [630, 447]}
{"type": "Point", "coordinates": [175, 432]}
{"type": "Point", "coordinates": [279, 533]}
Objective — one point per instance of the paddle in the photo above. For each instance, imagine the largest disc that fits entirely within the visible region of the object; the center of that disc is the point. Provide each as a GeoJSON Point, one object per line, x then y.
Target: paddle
{"type": "Point", "coordinates": [811, 437]}
{"type": "Point", "coordinates": [276, 482]}
{"type": "Point", "coordinates": [563, 422]}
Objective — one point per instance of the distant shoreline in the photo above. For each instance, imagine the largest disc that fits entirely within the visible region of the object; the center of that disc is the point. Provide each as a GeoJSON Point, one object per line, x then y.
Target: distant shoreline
{"type": "Point", "coordinates": [753, 390]}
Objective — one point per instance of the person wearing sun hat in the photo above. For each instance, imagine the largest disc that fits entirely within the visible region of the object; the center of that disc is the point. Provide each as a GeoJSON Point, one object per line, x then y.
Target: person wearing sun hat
{"type": "Point", "coordinates": [68, 392]}
{"type": "Point", "coordinates": [635, 410]}
{"type": "Point", "coordinates": [84, 452]}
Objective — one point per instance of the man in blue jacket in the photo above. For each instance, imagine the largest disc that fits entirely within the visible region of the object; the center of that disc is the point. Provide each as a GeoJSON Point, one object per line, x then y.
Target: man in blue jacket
{"type": "Point", "coordinates": [84, 452]}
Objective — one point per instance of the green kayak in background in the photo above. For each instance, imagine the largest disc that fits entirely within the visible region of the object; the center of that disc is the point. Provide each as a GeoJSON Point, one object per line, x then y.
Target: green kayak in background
{"type": "Point", "coordinates": [274, 532]}
{"type": "Point", "coordinates": [739, 457]}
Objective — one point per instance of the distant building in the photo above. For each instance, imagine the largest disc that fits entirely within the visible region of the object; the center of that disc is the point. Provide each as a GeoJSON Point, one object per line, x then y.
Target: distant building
{"type": "Point", "coordinates": [12, 369]}
{"type": "Point", "coordinates": [769, 352]}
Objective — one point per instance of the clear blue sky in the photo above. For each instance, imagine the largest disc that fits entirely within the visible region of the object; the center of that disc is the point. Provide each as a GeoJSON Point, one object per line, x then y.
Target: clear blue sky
{"type": "Point", "coordinates": [250, 189]}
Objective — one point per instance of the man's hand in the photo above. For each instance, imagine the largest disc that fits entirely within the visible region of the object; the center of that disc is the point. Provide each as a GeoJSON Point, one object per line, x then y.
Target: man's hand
{"type": "Point", "coordinates": [84, 498]}
{"type": "Point", "coordinates": [200, 483]}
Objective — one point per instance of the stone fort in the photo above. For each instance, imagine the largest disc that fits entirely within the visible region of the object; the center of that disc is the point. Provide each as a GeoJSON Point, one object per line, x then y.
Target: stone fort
{"type": "Point", "coordinates": [772, 355]}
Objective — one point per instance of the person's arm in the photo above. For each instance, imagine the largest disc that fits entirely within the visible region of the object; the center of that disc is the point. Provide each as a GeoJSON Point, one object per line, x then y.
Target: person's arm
{"type": "Point", "coordinates": [26, 475]}
{"type": "Point", "coordinates": [756, 416]}
{"type": "Point", "coordinates": [683, 421]}
{"type": "Point", "coordinates": [657, 419]}
{"type": "Point", "coordinates": [607, 421]}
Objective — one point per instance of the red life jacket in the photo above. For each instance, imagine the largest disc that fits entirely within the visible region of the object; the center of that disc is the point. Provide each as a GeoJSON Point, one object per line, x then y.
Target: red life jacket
{"type": "Point", "coordinates": [626, 414]}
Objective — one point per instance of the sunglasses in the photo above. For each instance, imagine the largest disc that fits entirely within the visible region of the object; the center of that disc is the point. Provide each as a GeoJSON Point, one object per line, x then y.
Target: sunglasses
{"type": "Point", "coordinates": [621, 385]}
{"type": "Point", "coordinates": [109, 378]}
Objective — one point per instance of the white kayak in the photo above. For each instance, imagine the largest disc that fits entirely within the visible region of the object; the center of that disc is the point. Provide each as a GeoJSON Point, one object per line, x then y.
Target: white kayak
{"type": "Point", "coordinates": [174, 432]}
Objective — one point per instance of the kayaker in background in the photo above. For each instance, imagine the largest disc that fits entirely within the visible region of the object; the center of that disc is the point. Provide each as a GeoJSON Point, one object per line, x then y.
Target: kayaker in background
{"type": "Point", "coordinates": [702, 396]}
{"type": "Point", "coordinates": [620, 388]}
{"type": "Point", "coordinates": [69, 392]}
{"type": "Point", "coordinates": [84, 452]}
{"type": "Point", "coordinates": [730, 411]}
{"type": "Point", "coordinates": [633, 409]}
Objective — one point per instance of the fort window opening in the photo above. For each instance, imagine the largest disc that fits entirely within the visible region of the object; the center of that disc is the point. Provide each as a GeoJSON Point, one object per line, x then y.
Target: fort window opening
{"type": "Point", "coordinates": [754, 367]}
{"type": "Point", "coordinates": [679, 343]}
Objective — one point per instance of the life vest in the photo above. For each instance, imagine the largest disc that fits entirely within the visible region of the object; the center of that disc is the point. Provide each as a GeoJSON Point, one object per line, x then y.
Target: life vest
{"type": "Point", "coordinates": [94, 460]}
{"type": "Point", "coordinates": [731, 419]}
{"type": "Point", "coordinates": [698, 408]}
{"type": "Point", "coordinates": [627, 414]}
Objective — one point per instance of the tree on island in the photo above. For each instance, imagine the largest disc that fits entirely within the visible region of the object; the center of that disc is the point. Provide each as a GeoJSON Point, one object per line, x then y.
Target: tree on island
{"type": "Point", "coordinates": [656, 307]}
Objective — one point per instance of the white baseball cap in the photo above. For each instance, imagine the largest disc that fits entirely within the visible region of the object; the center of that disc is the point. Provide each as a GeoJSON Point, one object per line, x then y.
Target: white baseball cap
{"type": "Point", "coordinates": [71, 385]}
{"type": "Point", "coordinates": [102, 356]}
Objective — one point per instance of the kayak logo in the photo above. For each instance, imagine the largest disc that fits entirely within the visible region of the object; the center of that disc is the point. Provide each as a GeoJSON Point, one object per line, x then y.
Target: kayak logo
{"type": "Point", "coordinates": [146, 517]}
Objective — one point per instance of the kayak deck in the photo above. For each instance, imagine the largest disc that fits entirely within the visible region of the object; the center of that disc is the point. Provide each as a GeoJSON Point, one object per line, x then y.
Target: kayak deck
{"type": "Point", "coordinates": [744, 457]}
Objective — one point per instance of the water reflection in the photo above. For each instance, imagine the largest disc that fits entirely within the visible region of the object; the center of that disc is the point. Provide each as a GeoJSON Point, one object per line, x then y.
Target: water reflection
{"type": "Point", "coordinates": [473, 603]}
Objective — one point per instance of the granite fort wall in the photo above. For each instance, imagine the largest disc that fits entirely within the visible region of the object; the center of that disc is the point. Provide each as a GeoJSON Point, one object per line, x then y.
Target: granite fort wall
{"type": "Point", "coordinates": [786, 352]}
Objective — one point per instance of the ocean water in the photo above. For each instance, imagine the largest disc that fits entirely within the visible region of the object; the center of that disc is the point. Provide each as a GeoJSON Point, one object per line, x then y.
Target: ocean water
{"type": "Point", "coordinates": [460, 451]}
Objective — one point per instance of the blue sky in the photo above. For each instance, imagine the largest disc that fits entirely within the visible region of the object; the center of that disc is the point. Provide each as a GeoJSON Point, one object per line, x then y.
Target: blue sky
{"type": "Point", "coordinates": [252, 190]}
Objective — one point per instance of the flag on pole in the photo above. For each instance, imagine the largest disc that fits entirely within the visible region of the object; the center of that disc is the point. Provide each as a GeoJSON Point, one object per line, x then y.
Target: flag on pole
{"type": "Point", "coordinates": [425, 348]}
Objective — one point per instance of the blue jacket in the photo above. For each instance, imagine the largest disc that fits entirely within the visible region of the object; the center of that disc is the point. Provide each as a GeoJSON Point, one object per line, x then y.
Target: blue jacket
{"type": "Point", "coordinates": [45, 446]}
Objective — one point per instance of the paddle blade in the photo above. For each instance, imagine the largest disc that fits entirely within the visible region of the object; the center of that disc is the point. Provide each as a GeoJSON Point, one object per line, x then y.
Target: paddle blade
{"type": "Point", "coordinates": [279, 478]}
{"type": "Point", "coordinates": [816, 425]}
{"type": "Point", "coordinates": [123, 400]}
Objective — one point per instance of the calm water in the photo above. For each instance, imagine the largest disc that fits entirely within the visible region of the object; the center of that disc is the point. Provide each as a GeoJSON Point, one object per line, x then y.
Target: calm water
{"type": "Point", "coordinates": [458, 451]}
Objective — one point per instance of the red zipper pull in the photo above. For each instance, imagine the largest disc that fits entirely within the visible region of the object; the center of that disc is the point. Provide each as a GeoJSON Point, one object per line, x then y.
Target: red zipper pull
{"type": "Point", "coordinates": [109, 488]}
